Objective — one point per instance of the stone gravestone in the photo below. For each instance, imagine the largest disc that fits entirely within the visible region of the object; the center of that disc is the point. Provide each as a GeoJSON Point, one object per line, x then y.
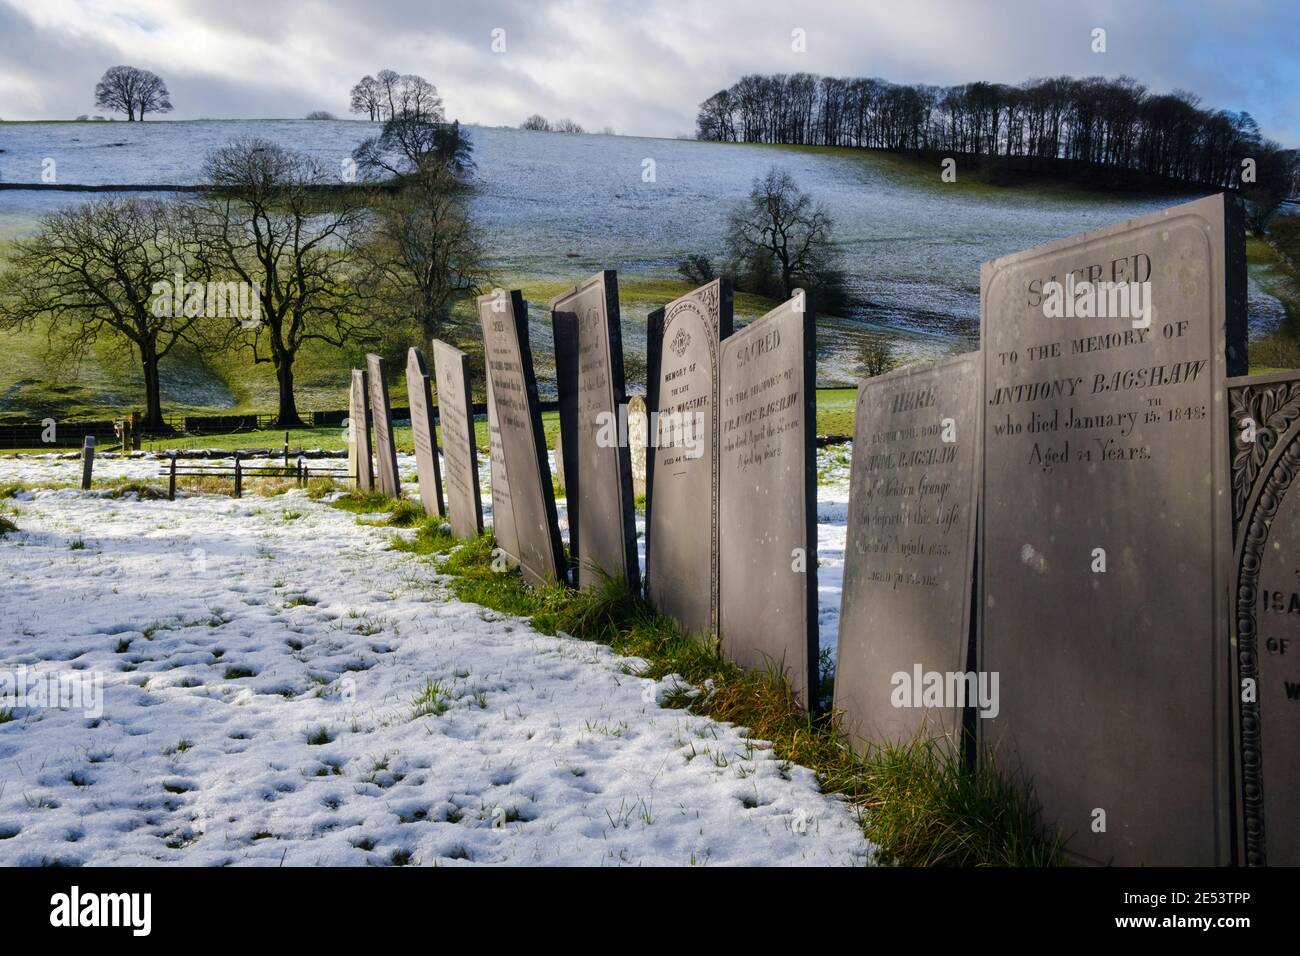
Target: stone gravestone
{"type": "Point", "coordinates": [382, 420]}
{"type": "Point", "coordinates": [589, 376]}
{"type": "Point", "coordinates": [768, 483]}
{"type": "Point", "coordinates": [423, 433]}
{"type": "Point", "coordinates": [638, 436]}
{"type": "Point", "coordinates": [1264, 419]}
{"type": "Point", "coordinates": [503, 519]}
{"type": "Point", "coordinates": [456, 413]}
{"type": "Point", "coordinates": [909, 554]}
{"type": "Point", "coordinates": [509, 361]}
{"type": "Point", "coordinates": [87, 461]}
{"type": "Point", "coordinates": [681, 542]}
{"type": "Point", "coordinates": [1105, 531]}
{"type": "Point", "coordinates": [361, 467]}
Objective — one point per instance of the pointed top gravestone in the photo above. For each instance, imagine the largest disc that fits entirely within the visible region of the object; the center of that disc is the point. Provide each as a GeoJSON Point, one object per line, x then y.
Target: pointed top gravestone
{"type": "Point", "coordinates": [456, 415]}
{"type": "Point", "coordinates": [360, 463]}
{"type": "Point", "coordinates": [589, 378]}
{"type": "Point", "coordinates": [382, 421]}
{"type": "Point", "coordinates": [768, 488]}
{"type": "Point", "coordinates": [509, 359]}
{"type": "Point", "coordinates": [423, 433]}
{"type": "Point", "coordinates": [683, 349]}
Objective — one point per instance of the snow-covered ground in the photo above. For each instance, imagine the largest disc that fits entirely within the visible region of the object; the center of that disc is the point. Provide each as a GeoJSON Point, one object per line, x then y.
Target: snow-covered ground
{"type": "Point", "coordinates": [263, 681]}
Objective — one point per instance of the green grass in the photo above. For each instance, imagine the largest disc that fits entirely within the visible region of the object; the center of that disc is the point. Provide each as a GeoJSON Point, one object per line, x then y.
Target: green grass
{"type": "Point", "coordinates": [916, 802]}
{"type": "Point", "coordinates": [6, 526]}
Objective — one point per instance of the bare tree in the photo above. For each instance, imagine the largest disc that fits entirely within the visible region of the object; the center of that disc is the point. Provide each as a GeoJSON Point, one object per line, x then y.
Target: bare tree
{"type": "Point", "coordinates": [133, 91]}
{"type": "Point", "coordinates": [407, 144]}
{"type": "Point", "coordinates": [388, 82]}
{"type": "Point", "coordinates": [537, 123]}
{"type": "Point", "coordinates": [567, 125]}
{"type": "Point", "coordinates": [424, 251]}
{"type": "Point", "coordinates": [780, 234]}
{"type": "Point", "coordinates": [320, 115]}
{"type": "Point", "coordinates": [270, 223]}
{"type": "Point", "coordinates": [365, 97]}
{"type": "Point", "coordinates": [875, 356]}
{"type": "Point", "coordinates": [101, 268]}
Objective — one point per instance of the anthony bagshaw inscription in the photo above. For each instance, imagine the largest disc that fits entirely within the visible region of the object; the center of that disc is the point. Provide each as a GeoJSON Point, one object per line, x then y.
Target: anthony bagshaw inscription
{"type": "Point", "coordinates": [684, 342]}
{"type": "Point", "coordinates": [360, 461]}
{"type": "Point", "coordinates": [456, 414]}
{"type": "Point", "coordinates": [909, 552]}
{"type": "Point", "coordinates": [1106, 537]}
{"type": "Point", "coordinates": [767, 520]}
{"type": "Point", "coordinates": [509, 358]}
{"type": "Point", "coordinates": [1264, 418]}
{"type": "Point", "coordinates": [382, 420]}
{"type": "Point", "coordinates": [590, 383]}
{"type": "Point", "coordinates": [503, 518]}
{"type": "Point", "coordinates": [423, 434]}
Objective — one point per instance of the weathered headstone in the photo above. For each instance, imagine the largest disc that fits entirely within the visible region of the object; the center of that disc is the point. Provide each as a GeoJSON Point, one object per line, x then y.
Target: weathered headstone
{"type": "Point", "coordinates": [423, 433]}
{"type": "Point", "coordinates": [381, 416]}
{"type": "Point", "coordinates": [361, 466]}
{"type": "Point", "coordinates": [509, 360]}
{"type": "Point", "coordinates": [456, 413]}
{"type": "Point", "coordinates": [589, 376]}
{"type": "Point", "coordinates": [638, 436]}
{"type": "Point", "coordinates": [1106, 532]}
{"type": "Point", "coordinates": [681, 545]}
{"type": "Point", "coordinates": [909, 555]}
{"type": "Point", "coordinates": [768, 484]}
{"type": "Point", "coordinates": [1264, 418]}
{"type": "Point", "coordinates": [503, 518]}
{"type": "Point", "coordinates": [87, 461]}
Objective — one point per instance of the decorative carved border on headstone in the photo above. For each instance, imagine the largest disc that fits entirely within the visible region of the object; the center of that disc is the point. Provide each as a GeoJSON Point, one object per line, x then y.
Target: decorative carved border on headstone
{"type": "Point", "coordinates": [1263, 470]}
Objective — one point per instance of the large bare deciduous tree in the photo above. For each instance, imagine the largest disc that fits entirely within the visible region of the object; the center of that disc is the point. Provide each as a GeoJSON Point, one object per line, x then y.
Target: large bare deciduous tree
{"type": "Point", "coordinates": [780, 236]}
{"type": "Point", "coordinates": [277, 221]}
{"type": "Point", "coordinates": [424, 251]}
{"type": "Point", "coordinates": [133, 91]}
{"type": "Point", "coordinates": [93, 269]}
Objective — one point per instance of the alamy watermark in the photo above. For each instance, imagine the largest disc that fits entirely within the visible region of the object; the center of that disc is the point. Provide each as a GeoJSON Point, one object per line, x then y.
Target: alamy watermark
{"type": "Point", "coordinates": [922, 688]}
{"type": "Point", "coordinates": [213, 300]}
{"type": "Point", "coordinates": [64, 690]}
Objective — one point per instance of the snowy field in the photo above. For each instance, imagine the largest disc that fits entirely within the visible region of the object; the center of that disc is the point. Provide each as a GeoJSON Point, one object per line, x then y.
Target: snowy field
{"type": "Point", "coordinates": [262, 681]}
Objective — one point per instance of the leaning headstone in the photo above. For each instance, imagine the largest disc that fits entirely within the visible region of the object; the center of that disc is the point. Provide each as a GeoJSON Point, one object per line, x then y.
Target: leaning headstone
{"type": "Point", "coordinates": [456, 414]}
{"type": "Point", "coordinates": [503, 518]}
{"type": "Point", "coordinates": [638, 429]}
{"type": "Point", "coordinates": [909, 555]}
{"type": "Point", "coordinates": [87, 461]}
{"type": "Point", "coordinates": [768, 485]}
{"type": "Point", "coordinates": [423, 433]}
{"type": "Point", "coordinates": [361, 468]}
{"type": "Point", "coordinates": [1264, 418]}
{"type": "Point", "coordinates": [382, 420]}
{"type": "Point", "coordinates": [589, 376]}
{"type": "Point", "coordinates": [1106, 531]}
{"type": "Point", "coordinates": [683, 345]}
{"type": "Point", "coordinates": [509, 360]}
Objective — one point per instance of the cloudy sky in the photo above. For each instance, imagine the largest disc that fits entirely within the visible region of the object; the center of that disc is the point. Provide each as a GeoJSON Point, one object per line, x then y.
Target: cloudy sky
{"type": "Point", "coordinates": [640, 66]}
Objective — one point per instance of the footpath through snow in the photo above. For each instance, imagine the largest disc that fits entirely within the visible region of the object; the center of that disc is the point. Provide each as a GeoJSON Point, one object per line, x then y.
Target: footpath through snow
{"type": "Point", "coordinates": [280, 687]}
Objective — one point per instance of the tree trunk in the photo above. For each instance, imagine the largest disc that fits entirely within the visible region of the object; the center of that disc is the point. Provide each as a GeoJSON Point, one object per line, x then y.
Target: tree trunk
{"type": "Point", "coordinates": [288, 408]}
{"type": "Point", "coordinates": [153, 417]}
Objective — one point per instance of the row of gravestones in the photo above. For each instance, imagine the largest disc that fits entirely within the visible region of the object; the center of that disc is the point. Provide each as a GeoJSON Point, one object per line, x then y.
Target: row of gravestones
{"type": "Point", "coordinates": [1057, 553]}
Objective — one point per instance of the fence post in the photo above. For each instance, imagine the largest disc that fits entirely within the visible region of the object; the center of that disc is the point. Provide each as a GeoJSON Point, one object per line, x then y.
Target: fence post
{"type": "Point", "coordinates": [239, 478]}
{"type": "Point", "coordinates": [87, 461]}
{"type": "Point", "coordinates": [286, 449]}
{"type": "Point", "coordinates": [137, 431]}
{"type": "Point", "coordinates": [171, 483]}
{"type": "Point", "coordinates": [302, 473]}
